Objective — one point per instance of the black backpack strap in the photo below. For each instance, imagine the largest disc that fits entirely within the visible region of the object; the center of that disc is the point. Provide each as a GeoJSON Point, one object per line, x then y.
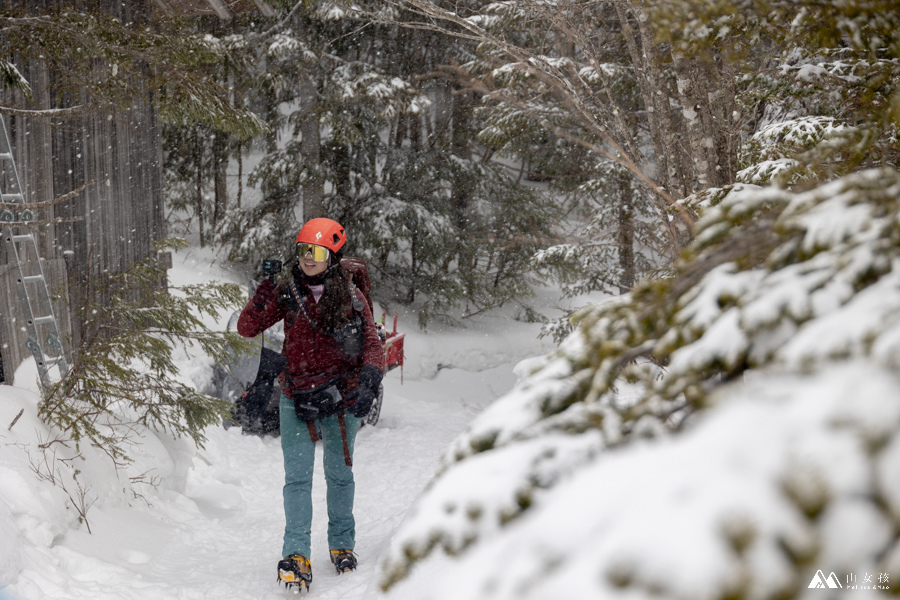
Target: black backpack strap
{"type": "Point", "coordinates": [302, 306]}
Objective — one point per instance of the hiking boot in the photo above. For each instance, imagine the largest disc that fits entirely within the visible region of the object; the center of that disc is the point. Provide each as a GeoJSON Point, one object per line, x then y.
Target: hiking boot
{"type": "Point", "coordinates": [295, 571]}
{"type": "Point", "coordinates": [343, 560]}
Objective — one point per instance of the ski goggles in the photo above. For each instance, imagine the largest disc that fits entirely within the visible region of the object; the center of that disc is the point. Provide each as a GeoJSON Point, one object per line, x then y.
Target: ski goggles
{"type": "Point", "coordinates": [318, 252]}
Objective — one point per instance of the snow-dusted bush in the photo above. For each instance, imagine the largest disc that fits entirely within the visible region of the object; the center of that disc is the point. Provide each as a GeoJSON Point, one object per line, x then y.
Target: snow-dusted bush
{"type": "Point", "coordinates": [792, 474]}
{"type": "Point", "coordinates": [820, 110]}
{"type": "Point", "coordinates": [774, 351]}
{"type": "Point", "coordinates": [124, 373]}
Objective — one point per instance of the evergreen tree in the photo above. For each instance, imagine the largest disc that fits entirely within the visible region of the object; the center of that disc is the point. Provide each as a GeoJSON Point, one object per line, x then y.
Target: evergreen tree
{"type": "Point", "coordinates": [592, 73]}
{"type": "Point", "coordinates": [317, 65]}
{"type": "Point", "coordinates": [197, 154]}
{"type": "Point", "coordinates": [107, 62]}
{"type": "Point", "coordinates": [615, 240]}
{"type": "Point", "coordinates": [373, 141]}
{"type": "Point", "coordinates": [124, 371]}
{"type": "Point", "coordinates": [100, 57]}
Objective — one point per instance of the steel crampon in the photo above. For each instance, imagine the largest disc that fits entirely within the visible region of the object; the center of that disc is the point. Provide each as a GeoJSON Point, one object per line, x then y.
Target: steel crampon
{"type": "Point", "coordinates": [295, 573]}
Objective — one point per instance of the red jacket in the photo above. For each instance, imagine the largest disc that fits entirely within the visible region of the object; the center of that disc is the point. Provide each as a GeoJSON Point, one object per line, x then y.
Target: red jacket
{"type": "Point", "coordinates": [313, 356]}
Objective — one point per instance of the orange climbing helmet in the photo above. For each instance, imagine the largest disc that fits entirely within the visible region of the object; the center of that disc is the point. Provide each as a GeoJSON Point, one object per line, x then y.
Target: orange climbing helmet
{"type": "Point", "coordinates": [323, 232]}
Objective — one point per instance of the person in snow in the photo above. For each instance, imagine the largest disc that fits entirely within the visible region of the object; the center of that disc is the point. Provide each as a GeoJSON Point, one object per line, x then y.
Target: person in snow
{"type": "Point", "coordinates": [333, 375]}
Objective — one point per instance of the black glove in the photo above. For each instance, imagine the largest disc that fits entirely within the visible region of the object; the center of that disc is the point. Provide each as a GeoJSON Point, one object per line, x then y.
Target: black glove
{"type": "Point", "coordinates": [265, 291]}
{"type": "Point", "coordinates": [364, 395]}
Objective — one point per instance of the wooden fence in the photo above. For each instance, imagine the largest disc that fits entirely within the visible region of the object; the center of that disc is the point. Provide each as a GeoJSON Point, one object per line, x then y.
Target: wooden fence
{"type": "Point", "coordinates": [114, 159]}
{"type": "Point", "coordinates": [115, 220]}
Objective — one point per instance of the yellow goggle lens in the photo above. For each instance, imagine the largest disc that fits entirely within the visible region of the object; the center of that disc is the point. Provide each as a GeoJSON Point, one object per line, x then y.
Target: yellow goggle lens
{"type": "Point", "coordinates": [318, 252]}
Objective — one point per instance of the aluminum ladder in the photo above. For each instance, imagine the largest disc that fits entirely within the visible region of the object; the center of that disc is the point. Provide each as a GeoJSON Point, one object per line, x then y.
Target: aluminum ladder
{"type": "Point", "coordinates": [31, 285]}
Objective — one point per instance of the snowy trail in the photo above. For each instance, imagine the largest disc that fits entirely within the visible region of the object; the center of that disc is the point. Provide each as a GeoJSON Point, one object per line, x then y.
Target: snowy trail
{"type": "Point", "coordinates": [230, 549]}
{"type": "Point", "coordinates": [221, 537]}
{"type": "Point", "coordinates": [211, 523]}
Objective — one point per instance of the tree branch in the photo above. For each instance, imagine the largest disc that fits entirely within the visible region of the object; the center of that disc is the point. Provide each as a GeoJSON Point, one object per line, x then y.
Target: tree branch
{"type": "Point", "coordinates": [16, 420]}
{"type": "Point", "coordinates": [620, 158]}
{"type": "Point", "coordinates": [73, 112]}
{"type": "Point", "coordinates": [59, 200]}
{"type": "Point", "coordinates": [558, 84]}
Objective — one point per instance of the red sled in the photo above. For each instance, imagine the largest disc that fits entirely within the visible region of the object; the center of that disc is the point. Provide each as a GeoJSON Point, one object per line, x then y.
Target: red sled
{"type": "Point", "coordinates": [393, 358]}
{"type": "Point", "coordinates": [393, 347]}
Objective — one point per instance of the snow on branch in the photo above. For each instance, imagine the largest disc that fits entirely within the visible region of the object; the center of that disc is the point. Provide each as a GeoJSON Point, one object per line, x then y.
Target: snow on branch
{"type": "Point", "coordinates": [72, 112]}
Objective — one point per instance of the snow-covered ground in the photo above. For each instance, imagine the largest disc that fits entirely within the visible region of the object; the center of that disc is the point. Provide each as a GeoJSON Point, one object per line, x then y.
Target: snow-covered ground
{"type": "Point", "coordinates": [787, 486]}
{"type": "Point", "coordinates": [188, 523]}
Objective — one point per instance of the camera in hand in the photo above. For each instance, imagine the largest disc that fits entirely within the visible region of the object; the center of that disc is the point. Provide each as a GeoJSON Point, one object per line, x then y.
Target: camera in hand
{"type": "Point", "coordinates": [271, 267]}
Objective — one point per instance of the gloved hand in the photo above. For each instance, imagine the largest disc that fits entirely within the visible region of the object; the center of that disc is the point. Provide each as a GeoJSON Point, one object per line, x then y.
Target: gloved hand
{"type": "Point", "coordinates": [265, 291]}
{"type": "Point", "coordinates": [364, 395]}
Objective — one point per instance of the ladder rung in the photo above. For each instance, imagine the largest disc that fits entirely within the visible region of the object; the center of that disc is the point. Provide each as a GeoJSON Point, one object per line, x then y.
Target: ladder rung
{"type": "Point", "coordinates": [33, 279]}
{"type": "Point", "coordinates": [51, 362]}
{"type": "Point", "coordinates": [27, 237]}
{"type": "Point", "coordinates": [11, 198]}
{"type": "Point", "coordinates": [44, 320]}
{"type": "Point", "coordinates": [5, 156]}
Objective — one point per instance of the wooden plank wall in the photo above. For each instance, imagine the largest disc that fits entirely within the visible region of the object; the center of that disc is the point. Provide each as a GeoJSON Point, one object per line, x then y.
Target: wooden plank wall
{"type": "Point", "coordinates": [119, 215]}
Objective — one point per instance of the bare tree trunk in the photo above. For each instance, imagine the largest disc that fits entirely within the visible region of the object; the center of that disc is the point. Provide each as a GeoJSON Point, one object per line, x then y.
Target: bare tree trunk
{"type": "Point", "coordinates": [240, 174]}
{"type": "Point", "coordinates": [270, 109]}
{"type": "Point", "coordinates": [415, 132]}
{"type": "Point", "coordinates": [654, 85]}
{"type": "Point", "coordinates": [443, 110]}
{"type": "Point", "coordinates": [655, 96]}
{"type": "Point", "coordinates": [413, 250]}
{"type": "Point", "coordinates": [198, 162]}
{"type": "Point", "coordinates": [461, 186]}
{"type": "Point", "coordinates": [342, 170]}
{"type": "Point", "coordinates": [708, 92]}
{"type": "Point", "coordinates": [402, 129]}
{"type": "Point", "coordinates": [648, 95]}
{"type": "Point", "coordinates": [675, 180]}
{"type": "Point", "coordinates": [238, 101]}
{"type": "Point", "coordinates": [686, 79]}
{"type": "Point", "coordinates": [311, 151]}
{"type": "Point", "coordinates": [625, 241]}
{"type": "Point", "coordinates": [429, 123]}
{"type": "Point", "coordinates": [699, 113]}
{"type": "Point", "coordinates": [725, 118]}
{"type": "Point", "coordinates": [220, 185]}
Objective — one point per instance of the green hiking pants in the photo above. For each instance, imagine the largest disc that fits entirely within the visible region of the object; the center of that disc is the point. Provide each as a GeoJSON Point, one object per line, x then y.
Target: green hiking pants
{"type": "Point", "coordinates": [299, 456]}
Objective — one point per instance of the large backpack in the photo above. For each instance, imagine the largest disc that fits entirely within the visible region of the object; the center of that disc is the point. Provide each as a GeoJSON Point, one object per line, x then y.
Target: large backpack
{"type": "Point", "coordinates": [359, 273]}
{"type": "Point", "coordinates": [256, 410]}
